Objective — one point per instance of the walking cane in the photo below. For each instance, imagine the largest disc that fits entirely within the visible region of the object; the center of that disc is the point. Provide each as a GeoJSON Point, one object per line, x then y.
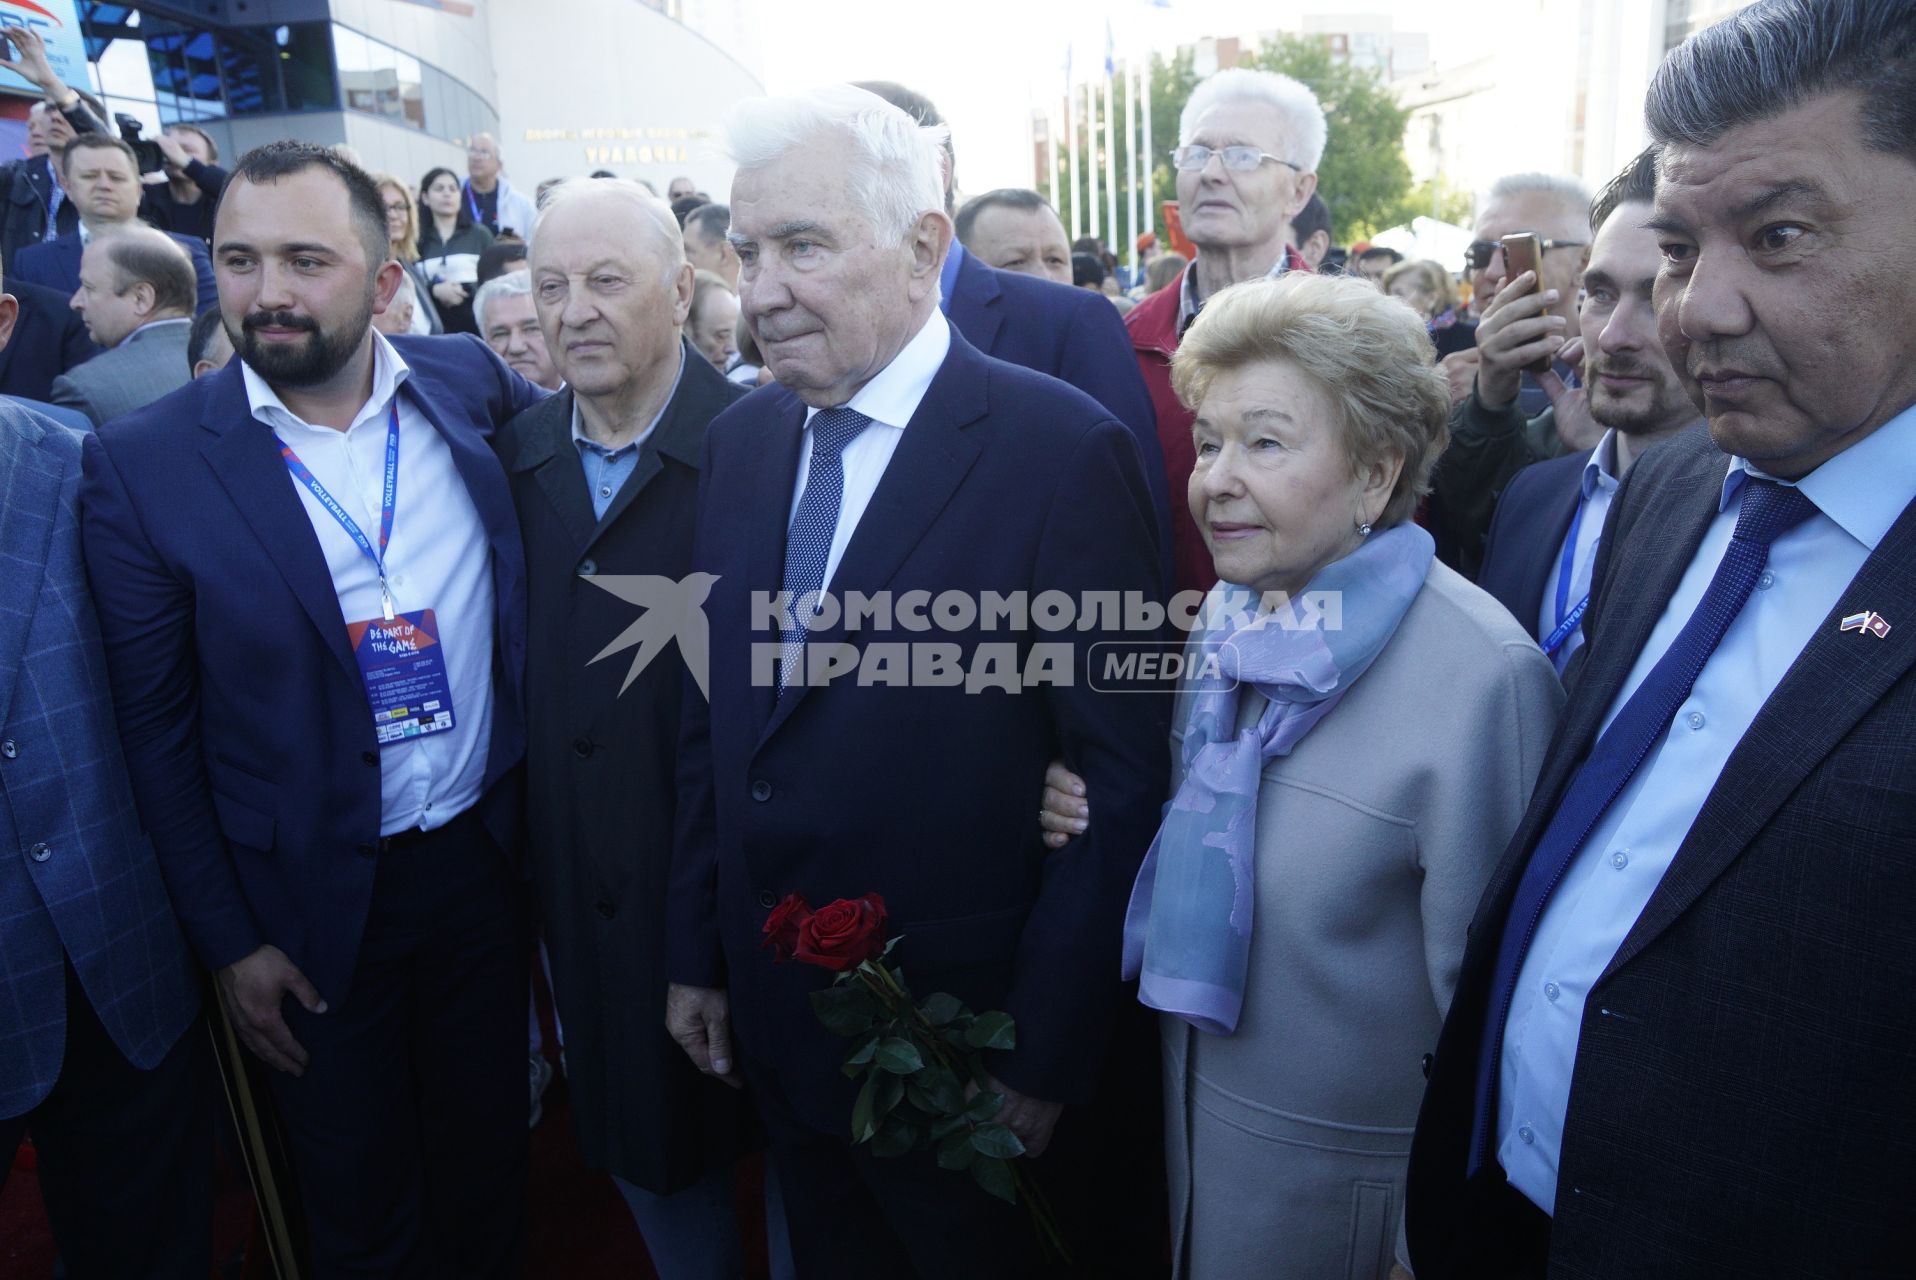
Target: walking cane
{"type": "Point", "coordinates": [269, 1168]}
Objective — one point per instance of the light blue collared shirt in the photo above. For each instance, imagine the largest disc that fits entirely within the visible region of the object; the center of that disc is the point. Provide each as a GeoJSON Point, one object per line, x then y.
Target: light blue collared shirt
{"type": "Point", "coordinates": [1599, 485]}
{"type": "Point", "coordinates": [607, 470]}
{"type": "Point", "coordinates": [1858, 494]}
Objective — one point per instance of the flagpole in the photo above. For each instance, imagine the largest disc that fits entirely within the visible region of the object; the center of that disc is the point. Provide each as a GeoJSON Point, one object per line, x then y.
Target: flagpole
{"type": "Point", "coordinates": [1150, 157]}
{"type": "Point", "coordinates": [1091, 155]}
{"type": "Point", "coordinates": [1071, 151]}
{"type": "Point", "coordinates": [1131, 145]}
{"type": "Point", "coordinates": [1110, 157]}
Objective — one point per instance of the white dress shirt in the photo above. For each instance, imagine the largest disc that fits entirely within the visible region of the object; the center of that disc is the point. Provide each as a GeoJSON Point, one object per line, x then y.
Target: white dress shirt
{"type": "Point", "coordinates": [1599, 485]}
{"type": "Point", "coordinates": [889, 400]}
{"type": "Point", "coordinates": [1858, 495]}
{"type": "Point", "coordinates": [438, 559]}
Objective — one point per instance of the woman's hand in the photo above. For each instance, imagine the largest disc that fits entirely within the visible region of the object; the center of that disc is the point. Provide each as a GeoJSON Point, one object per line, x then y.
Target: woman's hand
{"type": "Point", "coordinates": [449, 294]}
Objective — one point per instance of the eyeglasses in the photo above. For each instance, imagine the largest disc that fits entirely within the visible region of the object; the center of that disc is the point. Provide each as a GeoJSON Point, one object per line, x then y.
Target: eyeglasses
{"type": "Point", "coordinates": [1237, 159]}
{"type": "Point", "coordinates": [398, 206]}
{"type": "Point", "coordinates": [1480, 252]}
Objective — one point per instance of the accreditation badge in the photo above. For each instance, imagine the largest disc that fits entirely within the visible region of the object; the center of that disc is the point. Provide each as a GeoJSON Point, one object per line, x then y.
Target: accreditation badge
{"type": "Point", "coordinates": [404, 668]}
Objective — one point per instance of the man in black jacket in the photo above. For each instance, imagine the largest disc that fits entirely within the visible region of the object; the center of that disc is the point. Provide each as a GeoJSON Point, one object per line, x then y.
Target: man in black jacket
{"type": "Point", "coordinates": [605, 476]}
{"type": "Point", "coordinates": [1682, 1038]}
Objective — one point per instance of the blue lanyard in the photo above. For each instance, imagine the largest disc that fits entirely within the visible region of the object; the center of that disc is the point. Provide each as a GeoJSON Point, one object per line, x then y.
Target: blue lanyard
{"type": "Point", "coordinates": [1568, 618]}
{"type": "Point", "coordinates": [473, 201]}
{"type": "Point", "coordinates": [388, 501]}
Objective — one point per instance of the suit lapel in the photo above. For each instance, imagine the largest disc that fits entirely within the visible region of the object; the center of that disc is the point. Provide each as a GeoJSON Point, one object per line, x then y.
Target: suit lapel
{"type": "Point", "coordinates": [932, 459]}
{"type": "Point", "coordinates": [973, 309]}
{"type": "Point", "coordinates": [680, 432]}
{"type": "Point", "coordinates": [30, 479]}
{"type": "Point", "coordinates": [245, 457]}
{"type": "Point", "coordinates": [1556, 528]}
{"type": "Point", "coordinates": [1833, 683]}
{"type": "Point", "coordinates": [553, 460]}
{"type": "Point", "coordinates": [768, 488]}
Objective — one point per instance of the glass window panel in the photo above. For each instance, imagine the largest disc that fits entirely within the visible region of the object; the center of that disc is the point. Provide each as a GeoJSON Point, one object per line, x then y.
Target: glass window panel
{"type": "Point", "coordinates": [411, 106]}
{"type": "Point", "coordinates": [272, 69]}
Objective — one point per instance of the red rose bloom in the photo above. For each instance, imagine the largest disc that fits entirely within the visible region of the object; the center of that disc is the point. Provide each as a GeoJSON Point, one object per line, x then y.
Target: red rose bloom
{"type": "Point", "coordinates": [844, 934]}
{"type": "Point", "coordinates": [782, 926]}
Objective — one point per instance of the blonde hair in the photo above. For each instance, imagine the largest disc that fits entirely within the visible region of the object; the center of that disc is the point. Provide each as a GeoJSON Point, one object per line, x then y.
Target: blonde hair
{"type": "Point", "coordinates": [407, 250]}
{"type": "Point", "coordinates": [1431, 275]}
{"type": "Point", "coordinates": [1368, 351]}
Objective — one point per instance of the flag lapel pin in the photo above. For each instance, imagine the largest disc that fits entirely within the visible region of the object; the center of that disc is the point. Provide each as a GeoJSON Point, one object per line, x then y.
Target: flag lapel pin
{"type": "Point", "coordinates": [1866, 623]}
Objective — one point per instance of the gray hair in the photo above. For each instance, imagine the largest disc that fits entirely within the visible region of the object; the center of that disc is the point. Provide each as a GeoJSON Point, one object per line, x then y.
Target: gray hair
{"type": "Point", "coordinates": [657, 213]}
{"type": "Point", "coordinates": [513, 284]}
{"type": "Point", "coordinates": [896, 173]}
{"type": "Point", "coordinates": [1570, 195]}
{"type": "Point", "coordinates": [1776, 55]}
{"type": "Point", "coordinates": [1289, 98]}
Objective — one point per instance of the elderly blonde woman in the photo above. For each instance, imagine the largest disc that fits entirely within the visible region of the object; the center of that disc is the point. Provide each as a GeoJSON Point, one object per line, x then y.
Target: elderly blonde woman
{"type": "Point", "coordinates": [1342, 791]}
{"type": "Point", "coordinates": [1430, 292]}
{"type": "Point", "coordinates": [402, 230]}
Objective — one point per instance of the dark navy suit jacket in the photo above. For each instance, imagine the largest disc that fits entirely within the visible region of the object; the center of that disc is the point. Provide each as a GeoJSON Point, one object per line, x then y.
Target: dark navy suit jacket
{"type": "Point", "coordinates": [48, 339]}
{"type": "Point", "coordinates": [56, 264]}
{"type": "Point", "coordinates": [1526, 535]}
{"type": "Point", "coordinates": [1003, 481]}
{"type": "Point", "coordinates": [78, 882]}
{"type": "Point", "coordinates": [1072, 334]}
{"type": "Point", "coordinates": [245, 720]}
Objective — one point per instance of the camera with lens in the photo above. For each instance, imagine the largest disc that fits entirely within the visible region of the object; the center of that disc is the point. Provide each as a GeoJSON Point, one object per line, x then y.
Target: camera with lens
{"type": "Point", "coordinates": [151, 159]}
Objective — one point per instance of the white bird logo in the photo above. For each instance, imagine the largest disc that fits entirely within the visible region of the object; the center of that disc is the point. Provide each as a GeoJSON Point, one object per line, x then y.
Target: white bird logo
{"type": "Point", "coordinates": [672, 608]}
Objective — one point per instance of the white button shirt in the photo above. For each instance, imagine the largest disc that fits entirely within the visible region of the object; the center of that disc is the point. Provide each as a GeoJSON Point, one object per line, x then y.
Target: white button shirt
{"type": "Point", "coordinates": [889, 400]}
{"type": "Point", "coordinates": [438, 559]}
{"type": "Point", "coordinates": [1858, 495]}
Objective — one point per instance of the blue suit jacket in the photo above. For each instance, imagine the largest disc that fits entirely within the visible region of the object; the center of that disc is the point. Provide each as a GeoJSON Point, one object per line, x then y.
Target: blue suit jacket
{"type": "Point", "coordinates": [1527, 532]}
{"type": "Point", "coordinates": [77, 876]}
{"type": "Point", "coordinates": [65, 415]}
{"type": "Point", "coordinates": [48, 339]}
{"type": "Point", "coordinates": [247, 730]}
{"type": "Point", "coordinates": [1003, 481]}
{"type": "Point", "coordinates": [1072, 334]}
{"type": "Point", "coordinates": [56, 264]}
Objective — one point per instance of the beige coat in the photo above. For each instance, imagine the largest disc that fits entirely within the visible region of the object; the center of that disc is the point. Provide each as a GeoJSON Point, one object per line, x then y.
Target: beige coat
{"type": "Point", "coordinates": [1287, 1141]}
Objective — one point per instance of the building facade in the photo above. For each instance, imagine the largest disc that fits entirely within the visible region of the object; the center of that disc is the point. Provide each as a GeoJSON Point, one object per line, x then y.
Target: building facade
{"type": "Point", "coordinates": [589, 84]}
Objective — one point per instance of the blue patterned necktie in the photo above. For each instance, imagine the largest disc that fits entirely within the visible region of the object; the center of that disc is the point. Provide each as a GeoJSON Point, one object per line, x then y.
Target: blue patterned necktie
{"type": "Point", "coordinates": [1768, 510]}
{"type": "Point", "coordinates": [808, 544]}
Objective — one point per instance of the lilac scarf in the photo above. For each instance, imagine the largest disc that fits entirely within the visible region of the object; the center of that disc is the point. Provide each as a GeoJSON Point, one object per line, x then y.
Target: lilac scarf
{"type": "Point", "coordinates": [1187, 932]}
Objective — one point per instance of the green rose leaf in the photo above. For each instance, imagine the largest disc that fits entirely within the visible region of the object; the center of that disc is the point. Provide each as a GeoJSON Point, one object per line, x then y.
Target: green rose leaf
{"type": "Point", "coordinates": [890, 1090]}
{"type": "Point", "coordinates": [941, 1008]}
{"type": "Point", "coordinates": [845, 1010]}
{"type": "Point", "coordinates": [896, 1137]}
{"type": "Point", "coordinates": [996, 1142]}
{"type": "Point", "coordinates": [862, 1124]}
{"type": "Point", "coordinates": [955, 1151]}
{"type": "Point", "coordinates": [898, 1056]}
{"type": "Point", "coordinates": [995, 1176]}
{"type": "Point", "coordinates": [994, 1030]}
{"type": "Point", "coordinates": [984, 1106]}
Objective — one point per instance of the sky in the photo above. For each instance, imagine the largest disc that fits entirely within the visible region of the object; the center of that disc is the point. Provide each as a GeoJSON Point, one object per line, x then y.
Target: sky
{"type": "Point", "coordinates": [988, 63]}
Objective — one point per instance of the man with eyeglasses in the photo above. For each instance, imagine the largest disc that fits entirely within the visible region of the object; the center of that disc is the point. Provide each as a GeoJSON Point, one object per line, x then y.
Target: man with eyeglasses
{"type": "Point", "coordinates": [1506, 422]}
{"type": "Point", "coordinates": [489, 196]}
{"type": "Point", "coordinates": [1248, 147]}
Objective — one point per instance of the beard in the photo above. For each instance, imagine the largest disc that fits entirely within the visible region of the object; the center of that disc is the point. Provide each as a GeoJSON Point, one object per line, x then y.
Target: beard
{"type": "Point", "coordinates": [308, 361]}
{"type": "Point", "coordinates": [1666, 404]}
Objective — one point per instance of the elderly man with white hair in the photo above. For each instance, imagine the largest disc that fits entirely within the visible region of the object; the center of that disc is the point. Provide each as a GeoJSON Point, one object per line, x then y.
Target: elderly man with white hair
{"type": "Point", "coordinates": [605, 477]}
{"type": "Point", "coordinates": [1249, 143]}
{"type": "Point", "coordinates": [508, 321]}
{"type": "Point", "coordinates": [894, 461]}
{"type": "Point", "coordinates": [493, 202]}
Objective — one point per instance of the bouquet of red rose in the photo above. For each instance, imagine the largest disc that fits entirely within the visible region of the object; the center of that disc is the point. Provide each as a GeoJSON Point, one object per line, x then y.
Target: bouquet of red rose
{"type": "Point", "coordinates": [924, 1082]}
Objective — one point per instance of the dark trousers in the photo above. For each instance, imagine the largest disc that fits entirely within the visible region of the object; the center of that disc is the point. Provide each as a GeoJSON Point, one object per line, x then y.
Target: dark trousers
{"type": "Point", "coordinates": [408, 1128]}
{"type": "Point", "coordinates": [126, 1156]}
{"type": "Point", "coordinates": [853, 1215]}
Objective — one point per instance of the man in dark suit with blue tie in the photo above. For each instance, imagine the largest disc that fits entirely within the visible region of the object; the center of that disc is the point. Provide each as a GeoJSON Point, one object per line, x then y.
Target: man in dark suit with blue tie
{"type": "Point", "coordinates": [1682, 1037]}
{"type": "Point", "coordinates": [102, 1052]}
{"type": "Point", "coordinates": [893, 465]}
{"type": "Point", "coordinates": [312, 594]}
{"type": "Point", "coordinates": [1072, 334]}
{"type": "Point", "coordinates": [102, 176]}
{"type": "Point", "coordinates": [1544, 537]}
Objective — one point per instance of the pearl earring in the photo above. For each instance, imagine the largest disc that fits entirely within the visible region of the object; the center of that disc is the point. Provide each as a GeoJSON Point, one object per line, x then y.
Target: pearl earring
{"type": "Point", "coordinates": [1363, 530]}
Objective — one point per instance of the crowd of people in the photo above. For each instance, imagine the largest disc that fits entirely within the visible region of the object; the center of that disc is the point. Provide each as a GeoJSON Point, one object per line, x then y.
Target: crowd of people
{"type": "Point", "coordinates": [413, 593]}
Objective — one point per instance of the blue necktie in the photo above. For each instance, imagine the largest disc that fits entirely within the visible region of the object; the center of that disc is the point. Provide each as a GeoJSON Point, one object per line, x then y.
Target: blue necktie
{"type": "Point", "coordinates": [808, 544]}
{"type": "Point", "coordinates": [1767, 511]}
